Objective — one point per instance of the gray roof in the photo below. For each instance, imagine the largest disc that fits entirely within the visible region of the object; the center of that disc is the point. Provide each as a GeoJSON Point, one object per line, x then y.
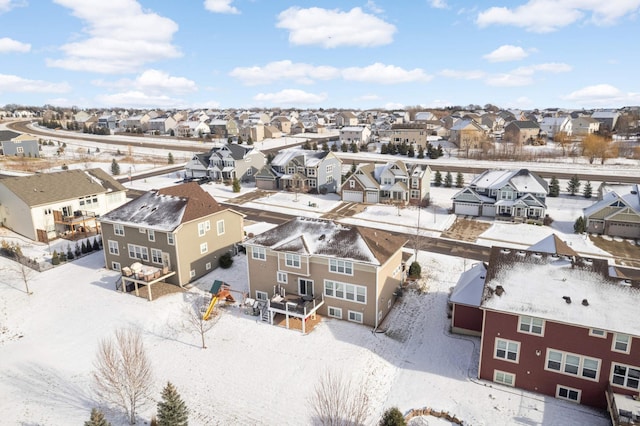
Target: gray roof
{"type": "Point", "coordinates": [46, 188]}
{"type": "Point", "coordinates": [7, 135]}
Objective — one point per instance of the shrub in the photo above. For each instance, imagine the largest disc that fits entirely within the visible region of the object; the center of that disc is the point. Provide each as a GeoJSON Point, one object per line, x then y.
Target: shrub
{"type": "Point", "coordinates": [226, 261]}
{"type": "Point", "coordinates": [55, 260]}
{"type": "Point", "coordinates": [392, 417]}
{"type": "Point", "coordinates": [96, 245]}
{"type": "Point", "coordinates": [415, 270]}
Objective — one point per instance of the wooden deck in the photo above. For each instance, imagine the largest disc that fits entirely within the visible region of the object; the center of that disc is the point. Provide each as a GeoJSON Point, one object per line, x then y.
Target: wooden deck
{"type": "Point", "coordinates": [158, 289]}
{"type": "Point", "coordinates": [296, 323]}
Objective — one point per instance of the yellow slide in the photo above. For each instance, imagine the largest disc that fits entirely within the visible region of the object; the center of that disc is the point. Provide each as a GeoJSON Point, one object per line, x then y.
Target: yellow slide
{"type": "Point", "coordinates": [207, 314]}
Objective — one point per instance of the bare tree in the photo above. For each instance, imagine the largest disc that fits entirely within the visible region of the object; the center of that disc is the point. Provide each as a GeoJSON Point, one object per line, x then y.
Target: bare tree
{"type": "Point", "coordinates": [194, 317]}
{"type": "Point", "coordinates": [123, 375]}
{"type": "Point", "coordinates": [339, 401]}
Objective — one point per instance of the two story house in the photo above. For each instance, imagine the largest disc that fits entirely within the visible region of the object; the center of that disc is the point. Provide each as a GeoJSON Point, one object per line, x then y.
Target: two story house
{"type": "Point", "coordinates": [301, 170]}
{"type": "Point", "coordinates": [227, 162]}
{"type": "Point", "coordinates": [521, 132]}
{"type": "Point", "coordinates": [513, 194]}
{"type": "Point", "coordinates": [310, 266]}
{"type": "Point", "coordinates": [180, 229]}
{"type": "Point", "coordinates": [45, 206]}
{"type": "Point", "coordinates": [467, 134]}
{"type": "Point", "coordinates": [616, 213]}
{"type": "Point", "coordinates": [355, 134]}
{"type": "Point", "coordinates": [22, 145]}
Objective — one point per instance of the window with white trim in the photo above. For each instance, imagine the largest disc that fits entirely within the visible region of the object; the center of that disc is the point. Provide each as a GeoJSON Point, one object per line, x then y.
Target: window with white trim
{"type": "Point", "coordinates": [329, 169]}
{"type": "Point", "coordinates": [621, 343]}
{"type": "Point", "coordinates": [531, 325]}
{"type": "Point", "coordinates": [338, 266]}
{"type": "Point", "coordinates": [504, 378]}
{"type": "Point", "coordinates": [259, 253]}
{"type": "Point", "coordinates": [220, 227]}
{"type": "Point", "coordinates": [356, 316]}
{"type": "Point", "coordinates": [113, 248]}
{"type": "Point", "coordinates": [569, 394]}
{"type": "Point", "coordinates": [20, 150]}
{"type": "Point", "coordinates": [151, 234]}
{"type": "Point", "coordinates": [170, 239]}
{"type": "Point", "coordinates": [351, 292]}
{"type": "Point", "coordinates": [572, 364]}
{"type": "Point", "coordinates": [156, 256]}
{"type": "Point", "coordinates": [262, 295]}
{"type": "Point", "coordinates": [507, 350]}
{"type": "Point", "coordinates": [334, 312]}
{"type": "Point", "coordinates": [352, 184]}
{"type": "Point", "coordinates": [202, 228]}
{"type": "Point", "coordinates": [281, 277]}
{"type": "Point", "coordinates": [192, 273]}
{"type": "Point", "coordinates": [625, 376]}
{"type": "Point", "coordinates": [596, 332]}
{"type": "Point", "coordinates": [115, 266]}
{"type": "Point", "coordinates": [118, 229]}
{"type": "Point", "coordinates": [292, 260]}
{"type": "Point", "coordinates": [138, 252]}
{"type": "Point", "coordinates": [207, 266]}
{"type": "Point", "coordinates": [204, 247]}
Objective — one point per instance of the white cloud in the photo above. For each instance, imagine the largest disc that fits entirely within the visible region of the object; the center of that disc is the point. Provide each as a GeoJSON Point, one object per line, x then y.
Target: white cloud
{"type": "Point", "coordinates": [602, 94]}
{"type": "Point", "coordinates": [220, 6]}
{"type": "Point", "coordinates": [463, 75]}
{"type": "Point", "coordinates": [439, 4]}
{"type": "Point", "coordinates": [11, 45]}
{"type": "Point", "coordinates": [334, 28]}
{"type": "Point", "coordinates": [549, 15]}
{"type": "Point", "coordinates": [524, 76]}
{"type": "Point", "coordinates": [384, 74]}
{"type": "Point", "coordinates": [372, 6]}
{"type": "Point", "coordinates": [506, 53]}
{"type": "Point", "coordinates": [137, 99]}
{"type": "Point", "coordinates": [7, 5]}
{"type": "Point", "coordinates": [291, 97]}
{"type": "Point", "coordinates": [13, 83]}
{"type": "Point", "coordinates": [122, 37]}
{"type": "Point", "coordinates": [393, 105]}
{"type": "Point", "coordinates": [284, 70]}
{"type": "Point", "coordinates": [153, 82]}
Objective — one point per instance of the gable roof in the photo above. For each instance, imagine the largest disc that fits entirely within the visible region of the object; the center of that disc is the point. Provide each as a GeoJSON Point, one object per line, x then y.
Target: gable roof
{"type": "Point", "coordinates": [627, 194]}
{"type": "Point", "coordinates": [553, 245]}
{"type": "Point", "coordinates": [7, 135]}
{"type": "Point", "coordinates": [46, 188]}
{"type": "Point", "coordinates": [522, 180]}
{"type": "Point", "coordinates": [524, 124]}
{"type": "Point", "coordinates": [470, 286]}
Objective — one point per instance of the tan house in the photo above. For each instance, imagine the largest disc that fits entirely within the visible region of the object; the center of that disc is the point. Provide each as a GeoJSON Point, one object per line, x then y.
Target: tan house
{"type": "Point", "coordinates": [282, 123]}
{"type": "Point", "coordinates": [467, 134]}
{"type": "Point", "coordinates": [309, 266]}
{"type": "Point", "coordinates": [180, 230]}
{"type": "Point", "coordinates": [522, 132]}
{"type": "Point", "coordinates": [410, 133]}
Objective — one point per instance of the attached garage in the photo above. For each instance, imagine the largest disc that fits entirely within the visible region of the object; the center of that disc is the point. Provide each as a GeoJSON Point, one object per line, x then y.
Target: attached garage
{"type": "Point", "coordinates": [624, 230]}
{"type": "Point", "coordinates": [489, 210]}
{"type": "Point", "coordinates": [467, 209]}
{"type": "Point", "coordinates": [372, 197]}
{"type": "Point", "coordinates": [352, 196]}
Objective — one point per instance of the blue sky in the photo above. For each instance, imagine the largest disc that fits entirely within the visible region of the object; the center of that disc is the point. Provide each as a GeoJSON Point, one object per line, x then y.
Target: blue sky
{"type": "Point", "coordinates": [312, 54]}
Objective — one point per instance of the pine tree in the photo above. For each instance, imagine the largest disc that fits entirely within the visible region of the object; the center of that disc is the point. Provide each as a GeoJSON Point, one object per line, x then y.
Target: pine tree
{"type": "Point", "coordinates": [344, 147]}
{"type": "Point", "coordinates": [115, 167]}
{"type": "Point", "coordinates": [384, 149]}
{"type": "Point", "coordinates": [315, 146]}
{"type": "Point", "coordinates": [574, 185]}
{"type": "Point", "coordinates": [249, 141]}
{"type": "Point", "coordinates": [96, 245]}
{"type": "Point", "coordinates": [588, 190]}
{"type": "Point", "coordinates": [84, 248]}
{"type": "Point", "coordinates": [170, 158]}
{"type": "Point", "coordinates": [334, 147]}
{"type": "Point", "coordinates": [97, 419]}
{"type": "Point", "coordinates": [392, 417]}
{"type": "Point", "coordinates": [448, 180]}
{"type": "Point", "coordinates": [554, 187]}
{"type": "Point", "coordinates": [437, 180]}
{"type": "Point", "coordinates": [55, 260]}
{"type": "Point", "coordinates": [325, 147]}
{"type": "Point", "coordinates": [236, 185]}
{"type": "Point", "coordinates": [459, 180]}
{"type": "Point", "coordinates": [439, 151]}
{"type": "Point", "coordinates": [172, 411]}
{"type": "Point", "coordinates": [239, 140]}
{"type": "Point", "coordinates": [420, 152]}
{"type": "Point", "coordinates": [580, 225]}
{"type": "Point", "coordinates": [411, 152]}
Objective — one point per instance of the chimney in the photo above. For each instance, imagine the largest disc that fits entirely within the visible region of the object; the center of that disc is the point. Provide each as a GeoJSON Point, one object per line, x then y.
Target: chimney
{"type": "Point", "coordinates": [585, 302]}
{"type": "Point", "coordinates": [499, 290]}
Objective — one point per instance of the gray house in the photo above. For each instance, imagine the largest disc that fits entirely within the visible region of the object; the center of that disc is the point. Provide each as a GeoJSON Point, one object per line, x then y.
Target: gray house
{"type": "Point", "coordinates": [227, 162]}
{"type": "Point", "coordinates": [20, 145]}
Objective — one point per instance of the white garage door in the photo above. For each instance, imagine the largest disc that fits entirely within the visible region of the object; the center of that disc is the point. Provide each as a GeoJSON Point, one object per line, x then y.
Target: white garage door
{"type": "Point", "coordinates": [466, 209]}
{"type": "Point", "coordinates": [489, 210]}
{"type": "Point", "coordinates": [372, 197]}
{"type": "Point", "coordinates": [353, 196]}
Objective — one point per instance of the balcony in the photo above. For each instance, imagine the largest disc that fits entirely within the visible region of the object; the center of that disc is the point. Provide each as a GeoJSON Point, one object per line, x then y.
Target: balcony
{"type": "Point", "coordinates": [138, 276]}
{"type": "Point", "coordinates": [293, 311]}
{"type": "Point", "coordinates": [623, 409]}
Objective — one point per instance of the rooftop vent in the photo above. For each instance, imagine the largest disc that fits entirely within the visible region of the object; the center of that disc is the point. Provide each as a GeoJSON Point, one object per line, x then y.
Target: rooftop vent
{"type": "Point", "coordinates": [499, 290]}
{"type": "Point", "coordinates": [567, 299]}
{"type": "Point", "coordinates": [322, 237]}
{"type": "Point", "coordinates": [505, 251]}
{"type": "Point", "coordinates": [585, 302]}
{"type": "Point", "coordinates": [521, 253]}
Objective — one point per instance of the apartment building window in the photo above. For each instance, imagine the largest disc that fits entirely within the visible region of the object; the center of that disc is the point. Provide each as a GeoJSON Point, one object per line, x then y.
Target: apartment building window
{"type": "Point", "coordinates": [329, 169]}
{"type": "Point", "coordinates": [596, 332]}
{"type": "Point", "coordinates": [151, 234]}
{"type": "Point", "coordinates": [170, 239]}
{"type": "Point", "coordinates": [292, 260]}
{"type": "Point", "coordinates": [350, 292]}
{"type": "Point", "coordinates": [341, 266]}
{"type": "Point", "coordinates": [415, 193]}
{"type": "Point", "coordinates": [156, 256]}
{"type": "Point", "coordinates": [507, 350]}
{"type": "Point", "coordinates": [504, 378]}
{"type": "Point", "coordinates": [203, 227]}
{"type": "Point", "coordinates": [531, 325]}
{"type": "Point", "coordinates": [113, 248]}
{"type": "Point", "coordinates": [204, 247]}
{"type": "Point", "coordinates": [311, 172]}
{"type": "Point", "coordinates": [220, 227]}
{"type": "Point", "coordinates": [621, 343]}
{"type": "Point", "coordinates": [356, 317]}
{"type": "Point", "coordinates": [335, 312]}
{"type": "Point", "coordinates": [572, 364]}
{"type": "Point", "coordinates": [282, 277]}
{"type": "Point", "coordinates": [625, 376]}
{"type": "Point", "coordinates": [138, 252]}
{"type": "Point", "coordinates": [118, 229]}
{"type": "Point", "coordinates": [569, 394]}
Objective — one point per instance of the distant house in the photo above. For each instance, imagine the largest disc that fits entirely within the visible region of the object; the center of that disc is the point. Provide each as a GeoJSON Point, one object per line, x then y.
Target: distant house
{"type": "Point", "coordinates": [355, 134]}
{"type": "Point", "coordinates": [608, 119]}
{"type": "Point", "coordinates": [582, 126]}
{"type": "Point", "coordinates": [107, 121]}
{"type": "Point", "coordinates": [467, 134]}
{"type": "Point", "coordinates": [514, 194]}
{"type": "Point", "coordinates": [521, 132]}
{"type": "Point", "coordinates": [306, 267]}
{"type": "Point", "coordinates": [227, 162]}
{"type": "Point", "coordinates": [191, 128]}
{"type": "Point", "coordinates": [346, 118]}
{"type": "Point", "coordinates": [23, 146]}
{"type": "Point", "coordinates": [616, 214]}
{"type": "Point", "coordinates": [255, 132]}
{"type": "Point", "coordinates": [301, 170]}
{"type": "Point", "coordinates": [220, 128]}
{"type": "Point", "coordinates": [162, 125]}
{"type": "Point", "coordinates": [551, 126]}
{"type": "Point", "coordinates": [282, 123]}
{"type": "Point", "coordinates": [139, 122]}
{"type": "Point", "coordinates": [410, 133]}
{"type": "Point", "coordinates": [47, 205]}
{"type": "Point", "coordinates": [180, 230]}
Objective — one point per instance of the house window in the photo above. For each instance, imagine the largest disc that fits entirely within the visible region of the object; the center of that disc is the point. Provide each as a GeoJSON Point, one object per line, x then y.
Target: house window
{"type": "Point", "coordinates": [329, 169]}
{"type": "Point", "coordinates": [281, 277]}
{"type": "Point", "coordinates": [118, 229]}
{"type": "Point", "coordinates": [621, 343]}
{"type": "Point", "coordinates": [115, 266]}
{"type": "Point", "coordinates": [531, 325]}
{"type": "Point", "coordinates": [507, 350]}
{"type": "Point", "coordinates": [596, 332]}
{"type": "Point", "coordinates": [311, 172]}
{"type": "Point", "coordinates": [192, 273]}
{"type": "Point", "coordinates": [625, 376]}
{"type": "Point", "coordinates": [138, 252]}
{"type": "Point", "coordinates": [20, 150]}
{"type": "Point", "coordinates": [335, 312]}
{"type": "Point", "coordinates": [203, 227]}
{"type": "Point", "coordinates": [258, 253]}
{"type": "Point", "coordinates": [352, 184]}
{"type": "Point", "coordinates": [504, 378]}
{"type": "Point", "coordinates": [156, 256]}
{"type": "Point", "coordinates": [170, 239]}
{"type": "Point", "coordinates": [305, 287]}
{"type": "Point", "coordinates": [415, 193]}
{"type": "Point", "coordinates": [570, 394]}
{"type": "Point", "coordinates": [291, 170]}
{"type": "Point", "coordinates": [113, 248]}
{"type": "Point", "coordinates": [220, 227]}
{"type": "Point", "coordinates": [356, 316]}
{"type": "Point", "coordinates": [207, 266]}
{"type": "Point", "coordinates": [351, 292]}
{"type": "Point", "coordinates": [292, 260]}
{"type": "Point", "coordinates": [312, 183]}
{"type": "Point", "coordinates": [262, 295]}
{"type": "Point", "coordinates": [142, 230]}
{"type": "Point", "coordinates": [341, 266]}
{"type": "Point", "coordinates": [152, 235]}
{"type": "Point", "coordinates": [572, 364]}
{"type": "Point", "coordinates": [204, 247]}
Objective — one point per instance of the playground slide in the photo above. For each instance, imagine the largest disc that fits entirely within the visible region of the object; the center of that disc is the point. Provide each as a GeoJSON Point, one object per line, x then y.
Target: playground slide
{"type": "Point", "coordinates": [206, 315]}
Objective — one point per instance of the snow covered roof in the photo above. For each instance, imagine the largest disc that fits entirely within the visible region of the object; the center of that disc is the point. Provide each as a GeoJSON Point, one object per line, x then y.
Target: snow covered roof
{"type": "Point", "coordinates": [628, 194]}
{"type": "Point", "coordinates": [522, 180]}
{"type": "Point", "coordinates": [310, 158]}
{"type": "Point", "coordinates": [470, 286]}
{"type": "Point", "coordinates": [561, 289]}
{"type": "Point", "coordinates": [322, 237]}
{"type": "Point", "coordinates": [553, 245]}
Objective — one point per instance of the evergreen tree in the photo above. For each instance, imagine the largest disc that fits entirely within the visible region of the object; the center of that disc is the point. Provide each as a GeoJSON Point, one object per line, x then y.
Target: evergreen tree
{"type": "Point", "coordinates": [250, 141]}
{"type": "Point", "coordinates": [239, 140]}
{"type": "Point", "coordinates": [420, 152]}
{"type": "Point", "coordinates": [554, 187]}
{"type": "Point", "coordinates": [97, 419]}
{"type": "Point", "coordinates": [402, 148]}
{"type": "Point", "coordinates": [325, 147]}
{"type": "Point", "coordinates": [55, 260]}
{"type": "Point", "coordinates": [588, 190]}
{"type": "Point", "coordinates": [115, 167]}
{"type": "Point", "coordinates": [96, 245]}
{"type": "Point", "coordinates": [439, 151]}
{"type": "Point", "coordinates": [574, 185]}
{"type": "Point", "coordinates": [84, 248]}
{"type": "Point", "coordinates": [459, 180]}
{"type": "Point", "coordinates": [411, 152]}
{"type": "Point", "coordinates": [70, 254]}
{"type": "Point", "coordinates": [353, 147]}
{"type": "Point", "coordinates": [270, 157]}
{"type": "Point", "coordinates": [315, 146]}
{"type": "Point", "coordinates": [306, 145]}
{"type": "Point", "coordinates": [430, 151]}
{"type": "Point", "coordinates": [334, 147]}
{"type": "Point", "coordinates": [448, 180]}
{"type": "Point", "coordinates": [170, 158]}
{"type": "Point", "coordinates": [384, 149]}
{"type": "Point", "coordinates": [392, 417]}
{"type": "Point", "coordinates": [580, 225]}
{"type": "Point", "coordinates": [236, 185]}
{"type": "Point", "coordinates": [172, 411]}
{"type": "Point", "coordinates": [344, 147]}
{"type": "Point", "coordinates": [437, 180]}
